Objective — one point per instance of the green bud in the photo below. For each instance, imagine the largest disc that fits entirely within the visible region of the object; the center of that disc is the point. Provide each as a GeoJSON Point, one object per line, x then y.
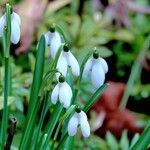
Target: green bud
{"type": "Point", "coordinates": [66, 48]}
{"type": "Point", "coordinates": [78, 109]}
{"type": "Point", "coordinates": [61, 79]}
{"type": "Point", "coordinates": [52, 29]}
{"type": "Point", "coordinates": [95, 54]}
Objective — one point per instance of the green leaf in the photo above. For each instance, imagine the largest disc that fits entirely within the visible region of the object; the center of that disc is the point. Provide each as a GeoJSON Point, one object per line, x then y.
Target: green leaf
{"type": "Point", "coordinates": [143, 141]}
{"type": "Point", "coordinates": [104, 51]}
{"type": "Point", "coordinates": [99, 40]}
{"type": "Point", "coordinates": [124, 35]}
{"type": "Point", "coordinates": [94, 143]}
{"type": "Point", "coordinates": [34, 103]}
{"type": "Point", "coordinates": [11, 99]}
{"type": "Point", "coordinates": [124, 142]}
{"type": "Point", "coordinates": [134, 140]}
{"type": "Point", "coordinates": [95, 97]}
{"type": "Point", "coordinates": [112, 142]}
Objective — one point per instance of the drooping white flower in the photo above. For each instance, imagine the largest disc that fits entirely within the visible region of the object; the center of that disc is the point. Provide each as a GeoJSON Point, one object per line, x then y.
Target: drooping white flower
{"type": "Point", "coordinates": [66, 60]}
{"type": "Point", "coordinates": [53, 40]}
{"type": "Point", "coordinates": [62, 92]}
{"type": "Point", "coordinates": [97, 67]}
{"type": "Point", "coordinates": [15, 27]}
{"type": "Point", "coordinates": [79, 118]}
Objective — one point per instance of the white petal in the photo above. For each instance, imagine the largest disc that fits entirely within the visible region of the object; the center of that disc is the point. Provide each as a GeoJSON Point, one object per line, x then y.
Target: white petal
{"type": "Point", "coordinates": [15, 31]}
{"type": "Point", "coordinates": [73, 63]}
{"type": "Point", "coordinates": [64, 96]}
{"type": "Point", "coordinates": [48, 37]}
{"type": "Point", "coordinates": [47, 40]}
{"type": "Point", "coordinates": [72, 125]}
{"type": "Point", "coordinates": [55, 44]}
{"type": "Point", "coordinates": [68, 87]}
{"type": "Point", "coordinates": [104, 64]}
{"type": "Point", "coordinates": [85, 128]}
{"type": "Point", "coordinates": [62, 65]}
{"type": "Point", "coordinates": [98, 75]}
{"type": "Point", "coordinates": [2, 24]}
{"type": "Point", "coordinates": [16, 17]}
{"type": "Point", "coordinates": [87, 68]}
{"type": "Point", "coordinates": [55, 92]}
{"type": "Point", "coordinates": [83, 115]}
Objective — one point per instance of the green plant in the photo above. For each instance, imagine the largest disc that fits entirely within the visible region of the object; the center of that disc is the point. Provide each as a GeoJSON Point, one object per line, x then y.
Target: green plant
{"type": "Point", "coordinates": [41, 89]}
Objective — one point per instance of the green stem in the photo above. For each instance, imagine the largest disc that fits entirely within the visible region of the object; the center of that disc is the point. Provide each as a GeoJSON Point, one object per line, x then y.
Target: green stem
{"type": "Point", "coordinates": [46, 105]}
{"type": "Point", "coordinates": [5, 110]}
{"type": "Point", "coordinates": [6, 48]}
{"type": "Point", "coordinates": [7, 31]}
{"type": "Point", "coordinates": [135, 71]}
{"type": "Point", "coordinates": [144, 140]}
{"type": "Point", "coordinates": [75, 93]}
{"type": "Point", "coordinates": [52, 123]}
{"type": "Point", "coordinates": [66, 115]}
{"type": "Point", "coordinates": [61, 143]}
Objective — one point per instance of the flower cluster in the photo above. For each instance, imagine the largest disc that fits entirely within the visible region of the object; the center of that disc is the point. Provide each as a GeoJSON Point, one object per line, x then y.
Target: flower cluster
{"type": "Point", "coordinates": [95, 65]}
{"type": "Point", "coordinates": [15, 26]}
{"type": "Point", "coordinates": [62, 92]}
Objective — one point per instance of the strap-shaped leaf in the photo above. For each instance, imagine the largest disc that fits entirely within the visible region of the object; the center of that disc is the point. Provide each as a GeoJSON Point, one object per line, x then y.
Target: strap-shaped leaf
{"type": "Point", "coordinates": [33, 105]}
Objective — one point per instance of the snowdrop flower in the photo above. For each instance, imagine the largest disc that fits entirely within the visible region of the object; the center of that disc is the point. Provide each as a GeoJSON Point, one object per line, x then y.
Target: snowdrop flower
{"type": "Point", "coordinates": [15, 27]}
{"type": "Point", "coordinates": [53, 40]}
{"type": "Point", "coordinates": [63, 92]}
{"type": "Point", "coordinates": [97, 66]}
{"type": "Point", "coordinates": [79, 118]}
{"type": "Point", "coordinates": [67, 59]}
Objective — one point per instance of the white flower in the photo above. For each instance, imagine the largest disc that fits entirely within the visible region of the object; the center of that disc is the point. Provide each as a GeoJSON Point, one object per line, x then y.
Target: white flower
{"type": "Point", "coordinates": [97, 67]}
{"type": "Point", "coordinates": [53, 39]}
{"type": "Point", "coordinates": [15, 27]}
{"type": "Point", "coordinates": [79, 118]}
{"type": "Point", "coordinates": [62, 92]}
{"type": "Point", "coordinates": [67, 59]}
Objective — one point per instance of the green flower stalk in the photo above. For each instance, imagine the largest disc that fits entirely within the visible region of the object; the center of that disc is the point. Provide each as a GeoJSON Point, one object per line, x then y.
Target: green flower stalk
{"type": "Point", "coordinates": [10, 32]}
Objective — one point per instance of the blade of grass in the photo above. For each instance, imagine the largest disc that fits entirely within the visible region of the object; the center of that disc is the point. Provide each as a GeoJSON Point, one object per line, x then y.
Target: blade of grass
{"type": "Point", "coordinates": [144, 140]}
{"type": "Point", "coordinates": [95, 97]}
{"type": "Point", "coordinates": [33, 105]}
{"type": "Point", "coordinates": [135, 71]}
